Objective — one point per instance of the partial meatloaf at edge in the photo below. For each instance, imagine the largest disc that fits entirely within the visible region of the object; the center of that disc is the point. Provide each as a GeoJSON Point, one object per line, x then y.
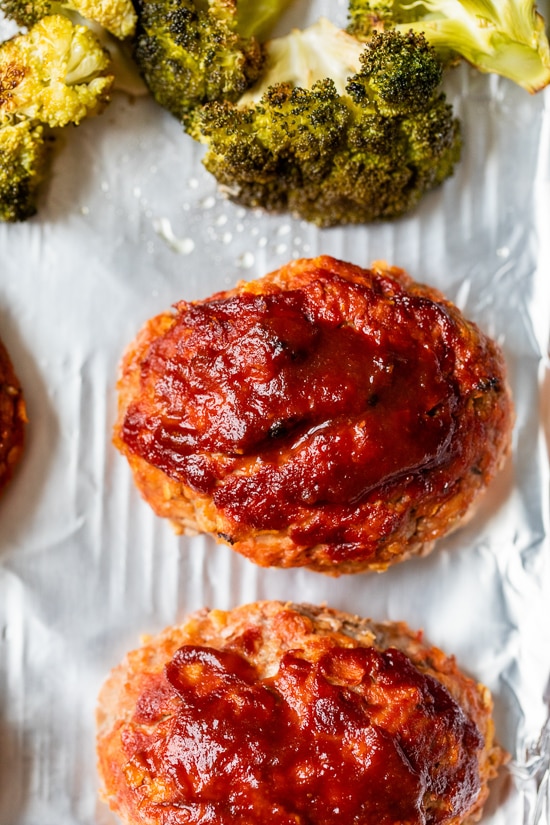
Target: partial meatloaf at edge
{"type": "Point", "coordinates": [13, 418]}
{"type": "Point", "coordinates": [293, 714]}
{"type": "Point", "coordinates": [324, 416]}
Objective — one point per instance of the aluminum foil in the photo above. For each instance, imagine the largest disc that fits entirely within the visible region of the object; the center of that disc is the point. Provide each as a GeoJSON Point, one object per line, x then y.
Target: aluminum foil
{"type": "Point", "coordinates": [131, 223]}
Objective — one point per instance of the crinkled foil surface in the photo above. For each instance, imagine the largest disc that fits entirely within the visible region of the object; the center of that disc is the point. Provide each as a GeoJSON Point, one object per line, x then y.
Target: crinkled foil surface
{"type": "Point", "coordinates": [131, 223]}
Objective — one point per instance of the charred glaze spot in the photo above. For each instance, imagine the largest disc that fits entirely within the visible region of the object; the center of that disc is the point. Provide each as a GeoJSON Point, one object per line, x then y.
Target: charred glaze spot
{"type": "Point", "coordinates": [490, 384]}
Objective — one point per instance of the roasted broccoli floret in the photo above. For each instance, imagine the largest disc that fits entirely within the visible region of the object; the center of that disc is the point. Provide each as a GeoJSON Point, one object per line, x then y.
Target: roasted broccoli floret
{"type": "Point", "coordinates": [361, 149]}
{"type": "Point", "coordinates": [23, 167]}
{"type": "Point", "coordinates": [191, 52]}
{"type": "Point", "coordinates": [55, 74]}
{"type": "Point", "coordinates": [117, 16]}
{"type": "Point", "coordinates": [26, 12]}
{"type": "Point", "coordinates": [506, 37]}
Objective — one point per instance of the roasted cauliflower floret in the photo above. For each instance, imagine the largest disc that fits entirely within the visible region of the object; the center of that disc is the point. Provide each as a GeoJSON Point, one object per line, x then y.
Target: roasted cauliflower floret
{"type": "Point", "coordinates": [117, 16]}
{"type": "Point", "coordinates": [55, 74]}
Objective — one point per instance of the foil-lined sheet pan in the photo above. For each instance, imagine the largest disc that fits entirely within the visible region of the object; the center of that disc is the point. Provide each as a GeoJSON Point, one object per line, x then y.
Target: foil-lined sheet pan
{"type": "Point", "coordinates": [131, 223]}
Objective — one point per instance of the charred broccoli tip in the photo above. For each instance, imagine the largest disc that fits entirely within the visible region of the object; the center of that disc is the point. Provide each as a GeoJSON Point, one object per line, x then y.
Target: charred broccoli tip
{"type": "Point", "coordinates": [24, 154]}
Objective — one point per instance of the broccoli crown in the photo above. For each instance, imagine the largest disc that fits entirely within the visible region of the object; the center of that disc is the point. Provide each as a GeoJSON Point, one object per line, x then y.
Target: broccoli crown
{"type": "Point", "coordinates": [506, 37]}
{"type": "Point", "coordinates": [330, 158]}
{"type": "Point", "coordinates": [117, 16]}
{"type": "Point", "coordinates": [24, 154]}
{"type": "Point", "coordinates": [190, 55]}
{"type": "Point", "coordinates": [25, 12]}
{"type": "Point", "coordinates": [400, 73]}
{"type": "Point", "coordinates": [55, 74]}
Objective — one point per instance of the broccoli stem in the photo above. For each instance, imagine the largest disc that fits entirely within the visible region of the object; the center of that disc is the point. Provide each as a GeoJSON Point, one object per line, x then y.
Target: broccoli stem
{"type": "Point", "coordinates": [256, 18]}
{"type": "Point", "coordinates": [505, 37]}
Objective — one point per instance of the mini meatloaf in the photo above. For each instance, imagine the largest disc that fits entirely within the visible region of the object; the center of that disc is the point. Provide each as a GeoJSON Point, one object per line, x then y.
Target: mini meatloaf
{"type": "Point", "coordinates": [13, 418]}
{"type": "Point", "coordinates": [324, 416]}
{"type": "Point", "coordinates": [293, 715]}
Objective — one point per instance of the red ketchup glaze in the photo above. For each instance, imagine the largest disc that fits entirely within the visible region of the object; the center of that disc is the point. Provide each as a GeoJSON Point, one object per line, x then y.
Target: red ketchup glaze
{"type": "Point", "coordinates": [360, 736]}
{"type": "Point", "coordinates": [314, 411]}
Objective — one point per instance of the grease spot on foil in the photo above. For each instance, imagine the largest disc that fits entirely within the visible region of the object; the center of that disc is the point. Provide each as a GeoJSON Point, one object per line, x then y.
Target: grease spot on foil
{"type": "Point", "coordinates": [209, 202]}
{"type": "Point", "coordinates": [246, 260]}
{"type": "Point", "coordinates": [163, 228]}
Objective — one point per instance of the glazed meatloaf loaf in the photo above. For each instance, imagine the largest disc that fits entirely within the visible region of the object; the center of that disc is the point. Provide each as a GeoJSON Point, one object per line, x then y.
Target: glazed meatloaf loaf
{"type": "Point", "coordinates": [324, 416]}
{"type": "Point", "coordinates": [293, 715]}
{"type": "Point", "coordinates": [13, 418]}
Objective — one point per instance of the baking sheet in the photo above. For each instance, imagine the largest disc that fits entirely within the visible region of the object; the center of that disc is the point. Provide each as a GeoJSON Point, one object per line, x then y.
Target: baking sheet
{"type": "Point", "coordinates": [130, 223]}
